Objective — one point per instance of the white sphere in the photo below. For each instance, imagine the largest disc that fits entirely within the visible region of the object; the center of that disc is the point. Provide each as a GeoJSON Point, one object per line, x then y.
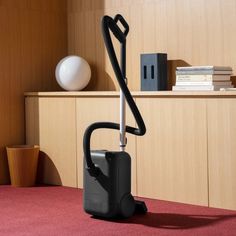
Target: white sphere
{"type": "Point", "coordinates": [73, 73]}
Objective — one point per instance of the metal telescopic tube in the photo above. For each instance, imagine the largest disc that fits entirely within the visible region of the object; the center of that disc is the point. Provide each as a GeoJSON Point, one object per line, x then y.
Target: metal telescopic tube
{"type": "Point", "coordinates": [122, 122]}
{"type": "Point", "coordinates": [122, 100]}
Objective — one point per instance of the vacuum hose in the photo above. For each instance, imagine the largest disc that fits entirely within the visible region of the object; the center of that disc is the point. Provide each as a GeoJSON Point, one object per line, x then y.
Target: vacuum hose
{"type": "Point", "coordinates": [108, 24]}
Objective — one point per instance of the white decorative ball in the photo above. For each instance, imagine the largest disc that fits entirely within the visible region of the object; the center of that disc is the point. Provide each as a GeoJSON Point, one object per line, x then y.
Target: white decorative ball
{"type": "Point", "coordinates": [73, 73]}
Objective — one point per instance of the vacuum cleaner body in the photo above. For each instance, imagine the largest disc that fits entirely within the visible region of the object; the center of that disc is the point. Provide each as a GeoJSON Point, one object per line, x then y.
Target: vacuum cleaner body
{"type": "Point", "coordinates": [109, 194]}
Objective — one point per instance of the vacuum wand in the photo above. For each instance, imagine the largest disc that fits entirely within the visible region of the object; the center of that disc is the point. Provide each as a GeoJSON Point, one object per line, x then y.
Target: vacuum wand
{"type": "Point", "coordinates": [109, 24]}
{"type": "Point", "coordinates": [123, 139]}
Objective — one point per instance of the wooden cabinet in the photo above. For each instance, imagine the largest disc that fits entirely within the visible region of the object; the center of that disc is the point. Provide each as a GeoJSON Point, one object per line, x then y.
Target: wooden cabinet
{"type": "Point", "coordinates": [187, 154]}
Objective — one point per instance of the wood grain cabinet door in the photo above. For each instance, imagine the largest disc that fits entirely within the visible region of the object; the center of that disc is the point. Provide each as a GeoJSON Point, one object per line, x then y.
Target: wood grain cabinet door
{"type": "Point", "coordinates": [222, 152]}
{"type": "Point", "coordinates": [172, 156]}
{"type": "Point", "coordinates": [50, 123]}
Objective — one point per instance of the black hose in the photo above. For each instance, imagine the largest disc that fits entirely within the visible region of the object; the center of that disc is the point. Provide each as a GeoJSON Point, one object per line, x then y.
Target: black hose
{"type": "Point", "coordinates": [111, 24]}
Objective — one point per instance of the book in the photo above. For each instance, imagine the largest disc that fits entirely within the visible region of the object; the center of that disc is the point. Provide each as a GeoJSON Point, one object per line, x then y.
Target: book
{"type": "Point", "coordinates": [228, 89]}
{"type": "Point", "coordinates": [199, 88]}
{"type": "Point", "coordinates": [213, 68]}
{"type": "Point", "coordinates": [203, 72]}
{"type": "Point", "coordinates": [223, 83]}
{"type": "Point", "coordinates": [197, 70]}
{"type": "Point", "coordinates": [206, 77]}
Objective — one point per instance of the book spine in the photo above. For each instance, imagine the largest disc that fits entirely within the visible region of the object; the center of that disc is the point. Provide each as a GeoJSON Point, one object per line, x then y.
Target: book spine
{"type": "Point", "coordinates": [194, 78]}
{"type": "Point", "coordinates": [192, 88]}
{"type": "Point", "coordinates": [199, 88]}
{"type": "Point", "coordinates": [210, 82]}
{"type": "Point", "coordinates": [202, 77]}
{"type": "Point", "coordinates": [214, 68]}
{"type": "Point", "coordinates": [203, 72]}
{"type": "Point", "coordinates": [228, 89]}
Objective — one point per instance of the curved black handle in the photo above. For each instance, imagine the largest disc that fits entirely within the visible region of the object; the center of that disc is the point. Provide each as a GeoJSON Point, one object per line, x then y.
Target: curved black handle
{"type": "Point", "coordinates": [106, 25]}
{"type": "Point", "coordinates": [111, 24]}
{"type": "Point", "coordinates": [120, 18]}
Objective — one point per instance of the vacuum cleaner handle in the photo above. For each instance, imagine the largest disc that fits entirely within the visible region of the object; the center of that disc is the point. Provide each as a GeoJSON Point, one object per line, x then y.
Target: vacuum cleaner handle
{"type": "Point", "coordinates": [120, 18]}
{"type": "Point", "coordinates": [109, 24]}
{"type": "Point", "coordinates": [113, 26]}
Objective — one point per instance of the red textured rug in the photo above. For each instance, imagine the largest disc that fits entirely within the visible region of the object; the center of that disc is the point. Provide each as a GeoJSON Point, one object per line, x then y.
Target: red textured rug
{"type": "Point", "coordinates": [58, 211]}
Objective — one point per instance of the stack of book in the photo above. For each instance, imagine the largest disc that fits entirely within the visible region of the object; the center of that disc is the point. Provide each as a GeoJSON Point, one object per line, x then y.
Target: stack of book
{"type": "Point", "coordinates": [202, 78]}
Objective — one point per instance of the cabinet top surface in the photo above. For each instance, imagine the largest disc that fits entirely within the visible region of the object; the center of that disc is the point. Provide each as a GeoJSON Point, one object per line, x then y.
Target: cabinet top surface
{"type": "Point", "coordinates": [134, 93]}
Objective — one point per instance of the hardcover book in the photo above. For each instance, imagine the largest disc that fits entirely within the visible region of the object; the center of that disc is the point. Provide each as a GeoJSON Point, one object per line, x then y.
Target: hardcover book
{"type": "Point", "coordinates": [203, 72]}
{"type": "Point", "coordinates": [197, 70]}
{"type": "Point", "coordinates": [202, 77]}
{"type": "Point", "coordinates": [213, 68]}
{"type": "Point", "coordinates": [199, 88]}
{"type": "Point", "coordinates": [218, 83]}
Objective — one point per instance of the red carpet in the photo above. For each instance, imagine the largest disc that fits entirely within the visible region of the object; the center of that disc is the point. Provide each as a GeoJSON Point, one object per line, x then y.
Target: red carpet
{"type": "Point", "coordinates": [58, 211]}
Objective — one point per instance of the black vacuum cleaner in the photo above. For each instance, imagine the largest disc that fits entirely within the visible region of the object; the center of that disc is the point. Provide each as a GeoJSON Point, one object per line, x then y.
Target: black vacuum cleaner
{"type": "Point", "coordinates": [107, 174]}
